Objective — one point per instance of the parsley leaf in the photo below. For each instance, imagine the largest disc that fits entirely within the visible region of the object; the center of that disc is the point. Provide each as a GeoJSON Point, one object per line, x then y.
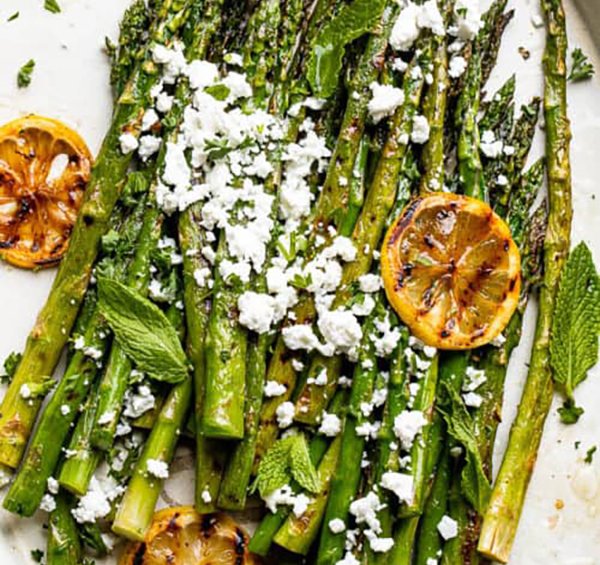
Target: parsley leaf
{"type": "Point", "coordinates": [13, 17]}
{"type": "Point", "coordinates": [581, 69]}
{"type": "Point", "coordinates": [475, 485]}
{"type": "Point", "coordinates": [287, 460]}
{"type": "Point", "coordinates": [37, 555]}
{"type": "Point", "coordinates": [574, 334]}
{"type": "Point", "coordinates": [143, 331]}
{"type": "Point", "coordinates": [25, 72]}
{"type": "Point", "coordinates": [353, 20]}
{"type": "Point", "coordinates": [589, 456]}
{"type": "Point", "coordinates": [52, 6]}
{"type": "Point", "coordinates": [10, 366]}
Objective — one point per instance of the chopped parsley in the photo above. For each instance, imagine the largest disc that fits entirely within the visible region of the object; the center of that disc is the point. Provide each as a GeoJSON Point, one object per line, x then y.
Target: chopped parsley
{"type": "Point", "coordinates": [10, 366]}
{"type": "Point", "coordinates": [589, 456]}
{"type": "Point", "coordinates": [37, 555]}
{"type": "Point", "coordinates": [25, 72]}
{"type": "Point", "coordinates": [13, 17]}
{"type": "Point", "coordinates": [581, 68]}
{"type": "Point", "coordinates": [52, 6]}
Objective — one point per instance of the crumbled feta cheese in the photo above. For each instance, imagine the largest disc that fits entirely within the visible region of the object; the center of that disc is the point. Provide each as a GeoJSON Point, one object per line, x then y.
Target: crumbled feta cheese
{"type": "Point", "coordinates": [128, 142]}
{"type": "Point", "coordinates": [157, 468]}
{"type": "Point", "coordinates": [472, 399]}
{"type": "Point", "coordinates": [206, 496]}
{"type": "Point", "coordinates": [406, 28]}
{"type": "Point", "coordinates": [365, 511]}
{"type": "Point", "coordinates": [331, 425]}
{"type": "Point", "coordinates": [52, 485]}
{"type": "Point", "coordinates": [337, 526]}
{"type": "Point", "coordinates": [257, 311]}
{"type": "Point", "coordinates": [25, 391]}
{"type": "Point", "coordinates": [447, 527]}
{"type": "Point", "coordinates": [48, 504]}
{"type": "Point", "coordinates": [202, 74]}
{"type": "Point", "coordinates": [65, 409]}
{"type": "Point", "coordinates": [149, 119]}
{"type": "Point", "coordinates": [96, 502]}
{"type": "Point", "coordinates": [348, 559]}
{"type": "Point", "coordinates": [148, 146]}
{"type": "Point", "coordinates": [502, 180]}
{"type": "Point", "coordinates": [407, 425]}
{"type": "Point", "coordinates": [137, 403]}
{"type": "Point", "coordinates": [401, 484]}
{"type": "Point", "coordinates": [430, 18]}
{"type": "Point", "coordinates": [369, 283]}
{"type": "Point", "coordinates": [489, 145]}
{"type": "Point", "coordinates": [273, 388]}
{"type": "Point", "coordinates": [468, 22]}
{"type": "Point", "coordinates": [341, 329]}
{"type": "Point", "coordinates": [381, 545]}
{"type": "Point", "coordinates": [420, 129]}
{"type": "Point", "coordinates": [457, 66]}
{"type": "Point", "coordinates": [285, 414]}
{"type": "Point", "coordinates": [300, 505]}
{"type": "Point", "coordinates": [385, 99]}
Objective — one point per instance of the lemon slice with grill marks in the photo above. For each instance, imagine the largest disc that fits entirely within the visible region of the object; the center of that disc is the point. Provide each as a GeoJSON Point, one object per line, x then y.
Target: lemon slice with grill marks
{"type": "Point", "coordinates": [44, 169]}
{"type": "Point", "coordinates": [181, 536]}
{"type": "Point", "coordinates": [451, 270]}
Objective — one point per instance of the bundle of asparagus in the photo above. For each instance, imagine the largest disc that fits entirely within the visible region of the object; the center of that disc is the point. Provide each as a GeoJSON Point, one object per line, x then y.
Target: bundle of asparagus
{"type": "Point", "coordinates": [223, 280]}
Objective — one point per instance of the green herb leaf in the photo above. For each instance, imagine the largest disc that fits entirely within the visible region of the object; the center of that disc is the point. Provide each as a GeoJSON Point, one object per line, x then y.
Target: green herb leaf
{"type": "Point", "coordinates": [569, 413]}
{"type": "Point", "coordinates": [287, 460]}
{"type": "Point", "coordinates": [574, 335]}
{"type": "Point", "coordinates": [10, 366]}
{"type": "Point", "coordinates": [13, 17]}
{"type": "Point", "coordinates": [325, 63]}
{"type": "Point", "coordinates": [302, 467]}
{"type": "Point", "coordinates": [52, 6]}
{"type": "Point", "coordinates": [25, 72]}
{"type": "Point", "coordinates": [475, 485]}
{"type": "Point", "coordinates": [589, 456]}
{"type": "Point", "coordinates": [581, 69]}
{"type": "Point", "coordinates": [37, 555]}
{"type": "Point", "coordinates": [143, 331]}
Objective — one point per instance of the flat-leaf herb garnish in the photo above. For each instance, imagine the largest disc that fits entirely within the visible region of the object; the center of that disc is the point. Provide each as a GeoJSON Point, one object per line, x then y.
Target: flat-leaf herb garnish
{"type": "Point", "coordinates": [575, 327]}
{"type": "Point", "coordinates": [25, 73]}
{"type": "Point", "coordinates": [581, 68]}
{"type": "Point", "coordinates": [143, 331]}
{"type": "Point", "coordinates": [52, 6]}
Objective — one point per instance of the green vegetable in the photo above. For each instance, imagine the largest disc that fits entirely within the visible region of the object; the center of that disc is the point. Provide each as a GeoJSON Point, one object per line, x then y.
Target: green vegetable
{"type": "Point", "coordinates": [589, 456]}
{"type": "Point", "coordinates": [574, 334]}
{"type": "Point", "coordinates": [13, 17]}
{"type": "Point", "coordinates": [37, 555]}
{"type": "Point", "coordinates": [143, 331]}
{"type": "Point", "coordinates": [287, 460]}
{"type": "Point", "coordinates": [10, 366]}
{"type": "Point", "coordinates": [52, 6]}
{"type": "Point", "coordinates": [475, 485]}
{"type": "Point", "coordinates": [581, 68]}
{"type": "Point", "coordinates": [325, 63]}
{"type": "Point", "coordinates": [25, 72]}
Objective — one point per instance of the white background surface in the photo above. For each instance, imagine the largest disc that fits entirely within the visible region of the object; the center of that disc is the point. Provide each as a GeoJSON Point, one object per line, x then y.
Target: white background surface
{"type": "Point", "coordinates": [70, 82]}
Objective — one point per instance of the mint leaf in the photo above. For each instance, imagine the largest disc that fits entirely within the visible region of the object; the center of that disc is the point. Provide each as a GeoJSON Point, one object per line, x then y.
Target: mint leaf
{"type": "Point", "coordinates": [325, 63]}
{"type": "Point", "coordinates": [287, 460]}
{"type": "Point", "coordinates": [581, 68]}
{"type": "Point", "coordinates": [52, 6]}
{"type": "Point", "coordinates": [143, 331]}
{"type": "Point", "coordinates": [24, 75]}
{"type": "Point", "coordinates": [302, 467]}
{"type": "Point", "coordinates": [575, 326]}
{"type": "Point", "coordinates": [474, 483]}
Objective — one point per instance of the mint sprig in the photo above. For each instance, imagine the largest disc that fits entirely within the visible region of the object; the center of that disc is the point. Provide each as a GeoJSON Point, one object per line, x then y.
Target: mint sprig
{"type": "Point", "coordinates": [575, 328]}
{"type": "Point", "coordinates": [288, 460]}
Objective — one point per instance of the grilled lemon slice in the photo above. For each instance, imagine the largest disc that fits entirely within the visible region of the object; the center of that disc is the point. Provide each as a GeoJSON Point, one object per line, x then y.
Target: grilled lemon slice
{"type": "Point", "coordinates": [44, 169]}
{"type": "Point", "coordinates": [181, 536]}
{"type": "Point", "coordinates": [451, 270]}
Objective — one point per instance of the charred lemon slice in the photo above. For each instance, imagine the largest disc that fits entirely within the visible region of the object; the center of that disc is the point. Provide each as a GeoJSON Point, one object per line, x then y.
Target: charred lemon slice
{"type": "Point", "coordinates": [44, 168]}
{"type": "Point", "coordinates": [451, 270]}
{"type": "Point", "coordinates": [181, 536]}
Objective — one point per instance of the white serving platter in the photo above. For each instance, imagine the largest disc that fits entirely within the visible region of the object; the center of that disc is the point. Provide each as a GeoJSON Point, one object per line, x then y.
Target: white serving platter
{"type": "Point", "coordinates": [561, 520]}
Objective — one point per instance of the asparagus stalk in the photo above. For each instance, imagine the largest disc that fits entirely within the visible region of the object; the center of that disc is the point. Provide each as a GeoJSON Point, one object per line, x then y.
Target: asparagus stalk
{"type": "Point", "coordinates": [367, 233]}
{"type": "Point", "coordinates": [44, 450]}
{"type": "Point", "coordinates": [136, 509]}
{"type": "Point", "coordinates": [280, 367]}
{"type": "Point", "coordinates": [501, 519]}
{"type": "Point", "coordinates": [269, 526]}
{"type": "Point", "coordinates": [51, 331]}
{"type": "Point", "coordinates": [404, 538]}
{"type": "Point", "coordinates": [299, 532]}
{"type": "Point", "coordinates": [345, 482]}
{"type": "Point", "coordinates": [64, 546]}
